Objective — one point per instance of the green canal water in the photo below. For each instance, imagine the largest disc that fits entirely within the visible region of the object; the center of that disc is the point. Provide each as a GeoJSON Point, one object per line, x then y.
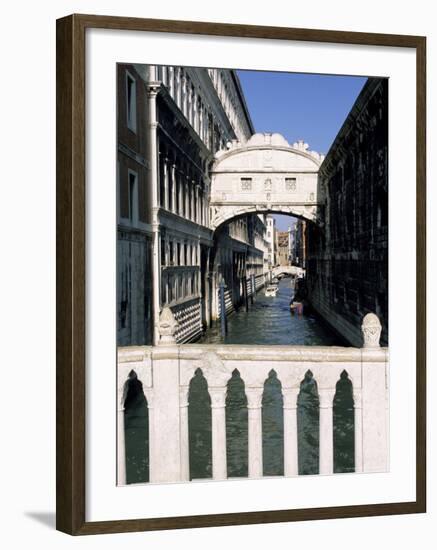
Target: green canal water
{"type": "Point", "coordinates": [268, 321]}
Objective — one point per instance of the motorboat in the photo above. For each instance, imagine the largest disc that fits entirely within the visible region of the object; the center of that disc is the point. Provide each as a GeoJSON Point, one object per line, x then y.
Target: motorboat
{"type": "Point", "coordinates": [271, 290]}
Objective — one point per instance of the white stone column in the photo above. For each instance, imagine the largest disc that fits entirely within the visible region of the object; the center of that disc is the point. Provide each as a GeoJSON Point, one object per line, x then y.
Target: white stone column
{"type": "Point", "coordinates": [173, 188]}
{"type": "Point", "coordinates": [358, 431]}
{"type": "Point", "coordinates": [255, 436]}
{"type": "Point", "coordinates": [197, 203]}
{"type": "Point", "coordinates": [193, 201]}
{"type": "Point", "coordinates": [326, 449]}
{"type": "Point", "coordinates": [290, 432]}
{"type": "Point", "coordinates": [218, 421]}
{"type": "Point", "coordinates": [185, 445]}
{"type": "Point", "coordinates": [166, 190]}
{"type": "Point", "coordinates": [121, 446]}
{"type": "Point", "coordinates": [154, 183]}
{"type": "Point", "coordinates": [201, 208]}
{"type": "Point", "coordinates": [187, 197]}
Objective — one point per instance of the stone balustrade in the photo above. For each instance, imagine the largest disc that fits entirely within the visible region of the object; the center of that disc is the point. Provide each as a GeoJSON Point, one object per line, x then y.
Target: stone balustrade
{"type": "Point", "coordinates": [166, 371]}
{"type": "Point", "coordinates": [188, 317]}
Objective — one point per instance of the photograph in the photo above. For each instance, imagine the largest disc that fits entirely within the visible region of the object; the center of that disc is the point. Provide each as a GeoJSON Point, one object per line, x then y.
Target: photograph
{"type": "Point", "coordinates": [252, 275]}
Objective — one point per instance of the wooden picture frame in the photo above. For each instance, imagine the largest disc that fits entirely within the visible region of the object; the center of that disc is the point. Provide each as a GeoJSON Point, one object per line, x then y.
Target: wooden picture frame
{"type": "Point", "coordinates": [71, 253]}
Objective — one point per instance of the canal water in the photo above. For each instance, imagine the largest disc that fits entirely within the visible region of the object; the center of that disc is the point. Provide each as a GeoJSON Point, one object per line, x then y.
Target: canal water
{"type": "Point", "coordinates": [269, 321]}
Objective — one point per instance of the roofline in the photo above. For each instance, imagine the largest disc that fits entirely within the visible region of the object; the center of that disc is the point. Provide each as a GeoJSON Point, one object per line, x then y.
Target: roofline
{"type": "Point", "coordinates": [245, 148]}
{"type": "Point", "coordinates": [242, 99]}
{"type": "Point", "coordinates": [366, 93]}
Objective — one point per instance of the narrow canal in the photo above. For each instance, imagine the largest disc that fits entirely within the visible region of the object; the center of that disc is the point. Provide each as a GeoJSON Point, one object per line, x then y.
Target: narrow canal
{"type": "Point", "coordinates": [270, 321]}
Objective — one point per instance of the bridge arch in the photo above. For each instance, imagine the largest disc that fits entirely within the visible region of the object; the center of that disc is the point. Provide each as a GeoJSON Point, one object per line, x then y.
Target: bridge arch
{"type": "Point", "coordinates": [265, 174]}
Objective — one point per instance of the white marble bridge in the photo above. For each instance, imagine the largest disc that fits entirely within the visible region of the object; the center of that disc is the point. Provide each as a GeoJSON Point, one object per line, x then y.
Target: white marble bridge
{"type": "Point", "coordinates": [266, 174]}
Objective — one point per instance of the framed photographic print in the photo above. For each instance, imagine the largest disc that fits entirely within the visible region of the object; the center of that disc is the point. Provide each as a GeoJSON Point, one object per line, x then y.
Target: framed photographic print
{"type": "Point", "coordinates": [241, 274]}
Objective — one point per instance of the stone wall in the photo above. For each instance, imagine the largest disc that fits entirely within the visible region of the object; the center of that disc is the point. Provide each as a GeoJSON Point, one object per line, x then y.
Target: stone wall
{"type": "Point", "coordinates": [347, 269]}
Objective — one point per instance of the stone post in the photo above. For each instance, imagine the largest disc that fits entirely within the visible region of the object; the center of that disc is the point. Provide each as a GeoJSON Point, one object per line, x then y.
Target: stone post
{"type": "Point", "coordinates": [218, 421]}
{"type": "Point", "coordinates": [290, 432]}
{"type": "Point", "coordinates": [326, 450]}
{"type": "Point", "coordinates": [371, 330]}
{"type": "Point", "coordinates": [166, 427]}
{"type": "Point", "coordinates": [254, 400]}
{"type": "Point", "coordinates": [374, 414]}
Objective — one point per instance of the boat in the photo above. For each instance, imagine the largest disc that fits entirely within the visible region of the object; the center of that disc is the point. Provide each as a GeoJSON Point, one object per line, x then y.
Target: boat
{"type": "Point", "coordinates": [296, 307]}
{"type": "Point", "coordinates": [271, 290]}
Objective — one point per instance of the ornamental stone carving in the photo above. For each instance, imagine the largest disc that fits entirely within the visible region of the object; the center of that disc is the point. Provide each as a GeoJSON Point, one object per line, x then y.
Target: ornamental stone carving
{"type": "Point", "coordinates": [167, 326]}
{"type": "Point", "coordinates": [371, 329]}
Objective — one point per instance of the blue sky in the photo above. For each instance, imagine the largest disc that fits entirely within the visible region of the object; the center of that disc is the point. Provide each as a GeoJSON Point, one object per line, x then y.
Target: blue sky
{"type": "Point", "coordinates": [300, 106]}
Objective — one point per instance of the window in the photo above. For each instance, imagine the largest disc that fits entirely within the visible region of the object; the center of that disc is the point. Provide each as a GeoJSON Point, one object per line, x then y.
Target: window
{"type": "Point", "coordinates": [133, 196]}
{"type": "Point", "coordinates": [246, 184]}
{"type": "Point", "coordinates": [290, 184]}
{"type": "Point", "coordinates": [131, 102]}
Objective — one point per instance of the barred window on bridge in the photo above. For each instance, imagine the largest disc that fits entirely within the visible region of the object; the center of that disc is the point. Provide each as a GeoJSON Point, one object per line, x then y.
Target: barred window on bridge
{"type": "Point", "coordinates": [246, 184]}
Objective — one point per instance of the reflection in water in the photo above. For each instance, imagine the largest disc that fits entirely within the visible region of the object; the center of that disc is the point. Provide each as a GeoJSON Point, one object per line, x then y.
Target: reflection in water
{"type": "Point", "coordinates": [270, 321]}
{"type": "Point", "coordinates": [136, 426]}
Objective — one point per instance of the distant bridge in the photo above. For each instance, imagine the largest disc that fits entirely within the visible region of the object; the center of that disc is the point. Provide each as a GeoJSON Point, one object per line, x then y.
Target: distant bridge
{"type": "Point", "coordinates": [288, 269]}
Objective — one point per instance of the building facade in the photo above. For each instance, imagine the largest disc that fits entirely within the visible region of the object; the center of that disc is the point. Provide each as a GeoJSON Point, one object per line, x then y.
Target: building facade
{"type": "Point", "coordinates": [171, 122]}
{"type": "Point", "coordinates": [284, 243]}
{"type": "Point", "coordinates": [271, 240]}
{"type": "Point", "coordinates": [299, 244]}
{"type": "Point", "coordinates": [347, 274]}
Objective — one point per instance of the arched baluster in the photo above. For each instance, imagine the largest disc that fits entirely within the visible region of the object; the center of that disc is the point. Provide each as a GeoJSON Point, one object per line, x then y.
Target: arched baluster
{"type": "Point", "coordinates": [136, 431]}
{"type": "Point", "coordinates": [290, 431]}
{"type": "Point", "coordinates": [344, 425]}
{"type": "Point", "coordinates": [199, 427]}
{"type": "Point", "coordinates": [273, 426]}
{"type": "Point", "coordinates": [236, 427]}
{"type": "Point", "coordinates": [254, 397]}
{"type": "Point", "coordinates": [326, 461]}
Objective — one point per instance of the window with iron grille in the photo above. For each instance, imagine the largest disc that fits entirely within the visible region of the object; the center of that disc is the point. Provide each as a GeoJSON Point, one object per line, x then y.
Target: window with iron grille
{"type": "Point", "coordinates": [246, 184]}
